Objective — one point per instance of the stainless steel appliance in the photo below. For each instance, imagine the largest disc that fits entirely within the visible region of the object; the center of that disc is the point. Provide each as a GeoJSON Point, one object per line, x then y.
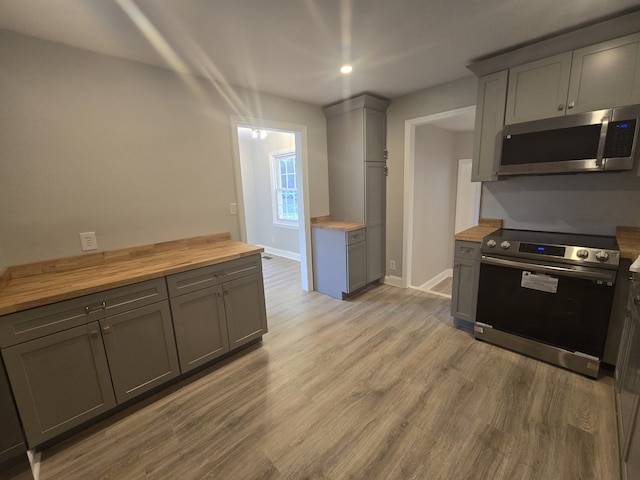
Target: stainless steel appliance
{"type": "Point", "coordinates": [603, 140]}
{"type": "Point", "coordinates": [548, 295]}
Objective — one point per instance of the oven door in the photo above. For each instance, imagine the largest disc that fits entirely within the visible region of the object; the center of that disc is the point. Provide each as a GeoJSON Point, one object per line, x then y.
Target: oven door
{"type": "Point", "coordinates": [563, 306]}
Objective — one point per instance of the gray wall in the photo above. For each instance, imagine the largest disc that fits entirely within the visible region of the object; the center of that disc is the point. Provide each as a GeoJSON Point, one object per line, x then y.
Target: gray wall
{"type": "Point", "coordinates": [437, 152]}
{"type": "Point", "coordinates": [592, 203]}
{"type": "Point", "coordinates": [256, 185]}
{"type": "Point", "coordinates": [133, 152]}
{"type": "Point", "coordinates": [441, 98]}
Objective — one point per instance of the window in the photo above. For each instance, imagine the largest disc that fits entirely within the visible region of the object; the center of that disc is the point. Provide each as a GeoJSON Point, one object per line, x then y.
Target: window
{"type": "Point", "coordinates": [285, 191]}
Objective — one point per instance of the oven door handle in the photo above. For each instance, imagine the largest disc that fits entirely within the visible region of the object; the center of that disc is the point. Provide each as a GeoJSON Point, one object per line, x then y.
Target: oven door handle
{"type": "Point", "coordinates": [566, 271]}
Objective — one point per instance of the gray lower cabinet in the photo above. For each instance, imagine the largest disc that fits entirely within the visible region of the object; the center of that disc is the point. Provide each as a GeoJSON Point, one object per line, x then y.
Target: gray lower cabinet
{"type": "Point", "coordinates": [141, 349]}
{"type": "Point", "coordinates": [466, 273]}
{"type": "Point", "coordinates": [339, 261]}
{"type": "Point", "coordinates": [12, 442]}
{"type": "Point", "coordinates": [59, 381]}
{"type": "Point", "coordinates": [200, 325]}
{"type": "Point", "coordinates": [628, 388]}
{"type": "Point", "coordinates": [217, 309]}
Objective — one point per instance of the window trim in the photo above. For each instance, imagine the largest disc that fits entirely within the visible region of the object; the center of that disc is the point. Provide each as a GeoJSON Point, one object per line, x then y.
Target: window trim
{"type": "Point", "coordinates": [274, 159]}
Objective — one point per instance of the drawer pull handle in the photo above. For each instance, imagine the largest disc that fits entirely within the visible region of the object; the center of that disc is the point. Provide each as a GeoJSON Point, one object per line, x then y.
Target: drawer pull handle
{"type": "Point", "coordinates": [95, 308]}
{"type": "Point", "coordinates": [106, 329]}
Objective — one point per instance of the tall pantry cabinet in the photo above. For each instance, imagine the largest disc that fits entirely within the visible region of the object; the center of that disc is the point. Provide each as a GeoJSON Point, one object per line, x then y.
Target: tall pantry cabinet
{"type": "Point", "coordinates": [356, 141]}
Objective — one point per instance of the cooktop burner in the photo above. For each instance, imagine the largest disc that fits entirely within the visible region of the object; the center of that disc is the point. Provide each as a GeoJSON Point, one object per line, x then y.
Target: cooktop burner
{"type": "Point", "coordinates": [591, 250]}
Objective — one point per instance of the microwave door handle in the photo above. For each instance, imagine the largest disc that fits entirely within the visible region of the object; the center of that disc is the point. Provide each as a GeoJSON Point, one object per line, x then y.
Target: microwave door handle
{"type": "Point", "coordinates": [601, 143]}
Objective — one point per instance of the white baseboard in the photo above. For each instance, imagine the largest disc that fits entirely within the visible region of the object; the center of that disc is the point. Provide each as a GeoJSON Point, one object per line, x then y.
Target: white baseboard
{"type": "Point", "coordinates": [393, 281]}
{"type": "Point", "coordinates": [281, 253]}
{"type": "Point", "coordinates": [429, 284]}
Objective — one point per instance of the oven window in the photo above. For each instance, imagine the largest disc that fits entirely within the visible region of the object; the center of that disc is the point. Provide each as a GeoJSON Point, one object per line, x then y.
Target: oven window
{"type": "Point", "coordinates": [573, 316]}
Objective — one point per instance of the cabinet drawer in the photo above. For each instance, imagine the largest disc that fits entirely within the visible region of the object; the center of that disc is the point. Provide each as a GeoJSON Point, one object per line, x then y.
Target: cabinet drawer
{"type": "Point", "coordinates": [464, 249]}
{"type": "Point", "coordinates": [30, 324]}
{"type": "Point", "coordinates": [126, 298]}
{"type": "Point", "coordinates": [193, 280]}
{"type": "Point", "coordinates": [356, 236]}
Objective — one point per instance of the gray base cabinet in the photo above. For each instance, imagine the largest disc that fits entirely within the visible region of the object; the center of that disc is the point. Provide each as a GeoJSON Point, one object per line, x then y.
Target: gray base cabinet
{"type": "Point", "coordinates": [466, 274]}
{"type": "Point", "coordinates": [339, 261]}
{"type": "Point", "coordinates": [628, 388]}
{"type": "Point", "coordinates": [217, 309]}
{"type": "Point", "coordinates": [59, 381]}
{"type": "Point", "coordinates": [141, 349]}
{"type": "Point", "coordinates": [200, 325]}
{"type": "Point", "coordinates": [71, 361]}
{"type": "Point", "coordinates": [12, 442]}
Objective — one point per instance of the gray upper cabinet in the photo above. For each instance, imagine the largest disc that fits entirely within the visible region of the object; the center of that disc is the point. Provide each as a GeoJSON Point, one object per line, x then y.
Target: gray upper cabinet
{"type": "Point", "coordinates": [59, 381]}
{"type": "Point", "coordinates": [599, 76]}
{"type": "Point", "coordinates": [538, 89]}
{"type": "Point", "coordinates": [141, 349]}
{"type": "Point", "coordinates": [605, 75]}
{"type": "Point", "coordinates": [492, 92]}
{"type": "Point", "coordinates": [356, 140]}
{"type": "Point", "coordinates": [11, 439]}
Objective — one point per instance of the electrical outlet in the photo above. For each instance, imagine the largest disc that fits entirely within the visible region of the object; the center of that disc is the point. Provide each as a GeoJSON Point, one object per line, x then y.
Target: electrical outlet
{"type": "Point", "coordinates": [88, 241]}
{"type": "Point", "coordinates": [233, 209]}
{"type": "Point", "coordinates": [392, 264]}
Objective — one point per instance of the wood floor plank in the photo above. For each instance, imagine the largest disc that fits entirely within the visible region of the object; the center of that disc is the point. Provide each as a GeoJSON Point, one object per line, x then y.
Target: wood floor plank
{"type": "Point", "coordinates": [380, 386]}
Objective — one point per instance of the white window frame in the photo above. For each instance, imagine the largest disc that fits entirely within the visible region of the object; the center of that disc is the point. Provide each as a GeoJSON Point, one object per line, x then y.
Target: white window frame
{"type": "Point", "coordinates": [276, 186]}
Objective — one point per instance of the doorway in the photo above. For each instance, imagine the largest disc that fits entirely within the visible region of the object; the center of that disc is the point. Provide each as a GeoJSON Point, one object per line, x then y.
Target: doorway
{"type": "Point", "coordinates": [271, 181]}
{"type": "Point", "coordinates": [434, 145]}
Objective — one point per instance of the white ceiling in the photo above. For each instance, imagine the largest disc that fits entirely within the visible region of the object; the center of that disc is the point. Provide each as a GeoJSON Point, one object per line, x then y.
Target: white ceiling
{"type": "Point", "coordinates": [294, 48]}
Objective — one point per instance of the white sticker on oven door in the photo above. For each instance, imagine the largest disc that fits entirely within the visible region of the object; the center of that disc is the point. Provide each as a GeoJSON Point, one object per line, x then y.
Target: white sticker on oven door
{"type": "Point", "coordinates": [536, 281]}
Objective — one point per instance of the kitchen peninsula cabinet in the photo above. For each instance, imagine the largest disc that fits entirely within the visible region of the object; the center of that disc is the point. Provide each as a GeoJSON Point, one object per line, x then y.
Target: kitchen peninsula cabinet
{"type": "Point", "coordinates": [356, 139]}
{"type": "Point", "coordinates": [73, 357]}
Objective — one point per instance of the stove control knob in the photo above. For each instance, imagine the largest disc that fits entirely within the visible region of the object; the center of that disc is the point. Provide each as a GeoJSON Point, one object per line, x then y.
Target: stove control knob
{"type": "Point", "coordinates": [602, 255]}
{"type": "Point", "coordinates": [505, 245]}
{"type": "Point", "coordinates": [491, 243]}
{"type": "Point", "coordinates": [582, 253]}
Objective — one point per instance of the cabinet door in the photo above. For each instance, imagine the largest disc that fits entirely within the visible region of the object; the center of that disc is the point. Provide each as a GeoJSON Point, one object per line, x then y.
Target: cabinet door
{"type": "Point", "coordinates": [357, 266]}
{"type": "Point", "coordinates": [141, 349]}
{"type": "Point", "coordinates": [11, 439]}
{"type": "Point", "coordinates": [464, 295]}
{"type": "Point", "coordinates": [200, 327]}
{"type": "Point", "coordinates": [245, 309]}
{"type": "Point", "coordinates": [59, 381]}
{"type": "Point", "coordinates": [492, 94]}
{"type": "Point", "coordinates": [538, 89]}
{"type": "Point", "coordinates": [605, 75]}
{"type": "Point", "coordinates": [376, 180]}
{"type": "Point", "coordinates": [375, 132]}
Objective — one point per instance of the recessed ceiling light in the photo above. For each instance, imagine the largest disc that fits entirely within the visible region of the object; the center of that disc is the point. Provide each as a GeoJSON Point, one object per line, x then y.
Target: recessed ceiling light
{"type": "Point", "coordinates": [346, 69]}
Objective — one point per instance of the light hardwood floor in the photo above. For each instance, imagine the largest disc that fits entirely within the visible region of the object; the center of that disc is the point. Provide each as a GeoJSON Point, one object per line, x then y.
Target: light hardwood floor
{"type": "Point", "coordinates": [381, 386]}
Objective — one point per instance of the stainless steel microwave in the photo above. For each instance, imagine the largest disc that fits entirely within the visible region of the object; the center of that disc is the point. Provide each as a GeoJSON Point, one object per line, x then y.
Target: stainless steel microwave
{"type": "Point", "coordinates": [598, 141]}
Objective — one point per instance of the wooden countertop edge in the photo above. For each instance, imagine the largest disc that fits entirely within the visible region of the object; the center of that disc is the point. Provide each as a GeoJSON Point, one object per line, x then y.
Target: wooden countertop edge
{"type": "Point", "coordinates": [628, 239]}
{"type": "Point", "coordinates": [328, 224]}
{"type": "Point", "coordinates": [135, 273]}
{"type": "Point", "coordinates": [486, 226]}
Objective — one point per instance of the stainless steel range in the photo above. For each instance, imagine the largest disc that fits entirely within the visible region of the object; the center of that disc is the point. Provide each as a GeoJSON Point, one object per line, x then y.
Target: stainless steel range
{"type": "Point", "coordinates": [548, 295]}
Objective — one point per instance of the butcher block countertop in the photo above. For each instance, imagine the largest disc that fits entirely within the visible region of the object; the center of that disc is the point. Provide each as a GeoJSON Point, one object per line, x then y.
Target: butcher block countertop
{"type": "Point", "coordinates": [33, 285]}
{"type": "Point", "coordinates": [326, 222]}
{"type": "Point", "coordinates": [628, 239]}
{"type": "Point", "coordinates": [486, 226]}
